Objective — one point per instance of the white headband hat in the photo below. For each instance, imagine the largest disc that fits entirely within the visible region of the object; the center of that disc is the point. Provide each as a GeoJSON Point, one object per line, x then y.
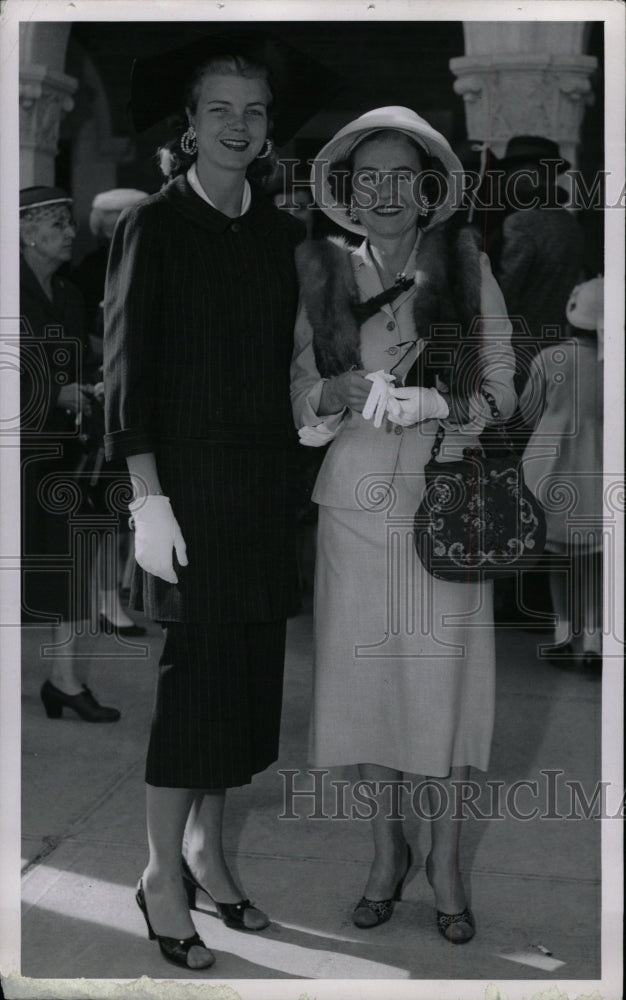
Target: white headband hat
{"type": "Point", "coordinates": [585, 306]}
{"type": "Point", "coordinates": [399, 119]}
{"type": "Point", "coordinates": [117, 199]}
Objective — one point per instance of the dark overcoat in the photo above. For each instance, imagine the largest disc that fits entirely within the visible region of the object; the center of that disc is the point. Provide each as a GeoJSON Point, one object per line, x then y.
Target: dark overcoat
{"type": "Point", "coordinates": [54, 351]}
{"type": "Point", "coordinates": [199, 319]}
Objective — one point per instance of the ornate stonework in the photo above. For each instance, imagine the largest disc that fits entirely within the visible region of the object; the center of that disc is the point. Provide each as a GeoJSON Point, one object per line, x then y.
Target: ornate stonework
{"type": "Point", "coordinates": [524, 94]}
{"type": "Point", "coordinates": [45, 96]}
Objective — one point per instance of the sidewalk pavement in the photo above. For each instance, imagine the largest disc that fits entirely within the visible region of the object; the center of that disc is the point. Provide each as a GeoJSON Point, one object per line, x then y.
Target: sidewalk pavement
{"type": "Point", "coordinates": [530, 882]}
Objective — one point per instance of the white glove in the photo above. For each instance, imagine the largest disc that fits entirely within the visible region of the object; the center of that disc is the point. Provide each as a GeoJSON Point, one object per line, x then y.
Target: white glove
{"type": "Point", "coordinates": [406, 406]}
{"type": "Point", "coordinates": [156, 533]}
{"type": "Point", "coordinates": [317, 436]}
{"type": "Point", "coordinates": [376, 402]}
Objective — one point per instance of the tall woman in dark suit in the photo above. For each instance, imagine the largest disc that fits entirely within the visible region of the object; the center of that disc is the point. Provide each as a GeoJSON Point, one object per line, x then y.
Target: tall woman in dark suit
{"type": "Point", "coordinates": [199, 314]}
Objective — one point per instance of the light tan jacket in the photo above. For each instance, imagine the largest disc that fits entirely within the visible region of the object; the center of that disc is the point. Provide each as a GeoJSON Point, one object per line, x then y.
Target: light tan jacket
{"type": "Point", "coordinates": [363, 460]}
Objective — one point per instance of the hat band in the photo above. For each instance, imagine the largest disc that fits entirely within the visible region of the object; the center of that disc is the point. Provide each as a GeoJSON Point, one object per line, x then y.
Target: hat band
{"type": "Point", "coordinates": [40, 204]}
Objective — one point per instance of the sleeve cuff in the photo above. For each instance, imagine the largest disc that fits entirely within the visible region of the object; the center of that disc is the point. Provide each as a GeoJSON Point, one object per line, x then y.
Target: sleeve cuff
{"type": "Point", "coordinates": [121, 444]}
{"type": "Point", "coordinates": [310, 417]}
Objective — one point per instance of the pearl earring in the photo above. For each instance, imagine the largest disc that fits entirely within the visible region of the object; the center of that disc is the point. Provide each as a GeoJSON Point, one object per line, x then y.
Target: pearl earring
{"type": "Point", "coordinates": [188, 142]}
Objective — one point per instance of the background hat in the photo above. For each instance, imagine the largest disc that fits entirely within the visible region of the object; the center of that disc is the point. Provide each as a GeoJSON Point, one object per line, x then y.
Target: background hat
{"type": "Point", "coordinates": [117, 199]}
{"type": "Point", "coordinates": [401, 120]}
{"type": "Point", "coordinates": [522, 148]}
{"type": "Point", "coordinates": [585, 306]}
{"type": "Point", "coordinates": [300, 84]}
{"type": "Point", "coordinates": [37, 197]}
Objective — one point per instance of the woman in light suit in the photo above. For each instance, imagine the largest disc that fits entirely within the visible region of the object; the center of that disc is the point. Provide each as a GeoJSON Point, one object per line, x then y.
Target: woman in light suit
{"type": "Point", "coordinates": [404, 673]}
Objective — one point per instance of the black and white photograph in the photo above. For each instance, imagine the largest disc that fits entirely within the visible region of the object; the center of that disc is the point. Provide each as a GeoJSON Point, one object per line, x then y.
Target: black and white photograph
{"type": "Point", "coordinates": [311, 500]}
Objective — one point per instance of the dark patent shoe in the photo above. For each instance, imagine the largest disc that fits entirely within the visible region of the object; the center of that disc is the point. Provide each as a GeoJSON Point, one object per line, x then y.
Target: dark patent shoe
{"type": "Point", "coordinates": [233, 914]}
{"type": "Point", "coordinates": [374, 912]}
{"type": "Point", "coordinates": [84, 704]}
{"type": "Point", "coordinates": [174, 950]}
{"type": "Point", "coordinates": [126, 631]}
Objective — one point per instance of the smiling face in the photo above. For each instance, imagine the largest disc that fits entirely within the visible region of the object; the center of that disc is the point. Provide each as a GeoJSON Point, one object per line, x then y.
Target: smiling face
{"type": "Point", "coordinates": [385, 181]}
{"type": "Point", "coordinates": [52, 231]}
{"type": "Point", "coordinates": [230, 120]}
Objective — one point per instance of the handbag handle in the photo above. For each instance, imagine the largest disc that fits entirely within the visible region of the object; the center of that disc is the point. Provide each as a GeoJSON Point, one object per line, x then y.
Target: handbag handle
{"type": "Point", "coordinates": [495, 412]}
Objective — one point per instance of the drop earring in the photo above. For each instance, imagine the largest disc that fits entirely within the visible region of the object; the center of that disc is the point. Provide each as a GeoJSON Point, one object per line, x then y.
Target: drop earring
{"type": "Point", "coordinates": [268, 147]}
{"type": "Point", "coordinates": [424, 205]}
{"type": "Point", "coordinates": [188, 142]}
{"type": "Point", "coordinates": [352, 211]}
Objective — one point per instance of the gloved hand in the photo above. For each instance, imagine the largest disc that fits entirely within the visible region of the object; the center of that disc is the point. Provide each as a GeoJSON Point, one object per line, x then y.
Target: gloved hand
{"type": "Point", "coordinates": [406, 406]}
{"type": "Point", "coordinates": [156, 533]}
{"type": "Point", "coordinates": [376, 402]}
{"type": "Point", "coordinates": [317, 436]}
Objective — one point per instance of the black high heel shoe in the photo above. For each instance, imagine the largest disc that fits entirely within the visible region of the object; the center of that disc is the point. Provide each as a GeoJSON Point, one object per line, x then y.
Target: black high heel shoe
{"type": "Point", "coordinates": [174, 950]}
{"type": "Point", "coordinates": [84, 704]}
{"type": "Point", "coordinates": [231, 913]}
{"type": "Point", "coordinates": [447, 920]}
{"type": "Point", "coordinates": [379, 911]}
{"type": "Point", "coordinates": [109, 628]}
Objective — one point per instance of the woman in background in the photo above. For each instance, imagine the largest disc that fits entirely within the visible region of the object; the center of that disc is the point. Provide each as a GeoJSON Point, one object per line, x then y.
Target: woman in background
{"type": "Point", "coordinates": [563, 402]}
{"type": "Point", "coordinates": [58, 391]}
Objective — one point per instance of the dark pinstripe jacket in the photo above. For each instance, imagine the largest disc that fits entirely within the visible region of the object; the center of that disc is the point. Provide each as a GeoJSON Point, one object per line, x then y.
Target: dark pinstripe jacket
{"type": "Point", "coordinates": [199, 318]}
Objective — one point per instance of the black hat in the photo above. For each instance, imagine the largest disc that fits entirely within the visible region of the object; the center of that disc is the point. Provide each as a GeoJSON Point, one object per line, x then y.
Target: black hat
{"type": "Point", "coordinates": [470, 153]}
{"type": "Point", "coordinates": [300, 84]}
{"type": "Point", "coordinates": [40, 196]}
{"type": "Point", "coordinates": [522, 148]}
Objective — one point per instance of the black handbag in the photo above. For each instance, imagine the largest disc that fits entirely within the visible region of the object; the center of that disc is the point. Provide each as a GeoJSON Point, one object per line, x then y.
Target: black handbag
{"type": "Point", "coordinates": [478, 519]}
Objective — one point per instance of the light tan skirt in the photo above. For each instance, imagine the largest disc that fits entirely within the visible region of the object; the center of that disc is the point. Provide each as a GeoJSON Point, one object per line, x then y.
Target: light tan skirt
{"type": "Point", "coordinates": [405, 664]}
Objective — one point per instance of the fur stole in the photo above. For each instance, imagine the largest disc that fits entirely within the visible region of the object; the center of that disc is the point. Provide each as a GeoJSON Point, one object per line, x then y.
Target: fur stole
{"type": "Point", "coordinates": [448, 280]}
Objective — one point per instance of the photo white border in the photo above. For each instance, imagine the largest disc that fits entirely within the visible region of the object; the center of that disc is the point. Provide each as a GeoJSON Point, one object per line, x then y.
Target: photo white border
{"type": "Point", "coordinates": [12, 13]}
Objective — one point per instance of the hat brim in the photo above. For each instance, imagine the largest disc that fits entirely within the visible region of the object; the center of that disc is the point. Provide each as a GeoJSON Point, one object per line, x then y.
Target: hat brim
{"type": "Point", "coordinates": [339, 148]}
{"type": "Point", "coordinates": [301, 85]}
{"type": "Point", "coordinates": [516, 161]}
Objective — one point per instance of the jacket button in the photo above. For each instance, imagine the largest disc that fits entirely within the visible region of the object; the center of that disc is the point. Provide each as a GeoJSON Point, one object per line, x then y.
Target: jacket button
{"type": "Point", "coordinates": [391, 325]}
{"type": "Point", "coordinates": [398, 429]}
{"type": "Point", "coordinates": [392, 350]}
{"type": "Point", "coordinates": [235, 227]}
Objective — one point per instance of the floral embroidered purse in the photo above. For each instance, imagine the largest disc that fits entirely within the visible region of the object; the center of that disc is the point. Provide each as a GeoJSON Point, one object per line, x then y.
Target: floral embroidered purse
{"type": "Point", "coordinates": [478, 519]}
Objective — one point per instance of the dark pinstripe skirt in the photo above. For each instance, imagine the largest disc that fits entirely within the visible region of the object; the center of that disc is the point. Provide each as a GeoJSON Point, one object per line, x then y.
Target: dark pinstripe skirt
{"type": "Point", "coordinates": [216, 720]}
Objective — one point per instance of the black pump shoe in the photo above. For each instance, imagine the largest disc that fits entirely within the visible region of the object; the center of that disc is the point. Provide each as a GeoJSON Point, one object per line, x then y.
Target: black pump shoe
{"type": "Point", "coordinates": [174, 950]}
{"type": "Point", "coordinates": [110, 628]}
{"type": "Point", "coordinates": [373, 912]}
{"type": "Point", "coordinates": [231, 913]}
{"type": "Point", "coordinates": [84, 704]}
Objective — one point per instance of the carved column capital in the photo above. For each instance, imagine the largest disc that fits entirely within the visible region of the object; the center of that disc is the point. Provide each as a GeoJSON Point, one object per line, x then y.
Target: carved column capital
{"type": "Point", "coordinates": [524, 93]}
{"type": "Point", "coordinates": [45, 96]}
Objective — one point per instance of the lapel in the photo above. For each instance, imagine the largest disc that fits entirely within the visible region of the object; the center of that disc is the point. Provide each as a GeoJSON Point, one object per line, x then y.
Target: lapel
{"type": "Point", "coordinates": [367, 277]}
{"type": "Point", "coordinates": [369, 283]}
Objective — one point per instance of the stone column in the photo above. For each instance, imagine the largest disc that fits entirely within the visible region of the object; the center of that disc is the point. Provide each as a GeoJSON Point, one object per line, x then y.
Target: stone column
{"type": "Point", "coordinates": [45, 96]}
{"type": "Point", "coordinates": [524, 78]}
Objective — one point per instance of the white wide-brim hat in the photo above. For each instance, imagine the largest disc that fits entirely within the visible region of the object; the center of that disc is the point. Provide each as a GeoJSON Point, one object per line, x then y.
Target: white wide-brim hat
{"type": "Point", "coordinates": [400, 119]}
